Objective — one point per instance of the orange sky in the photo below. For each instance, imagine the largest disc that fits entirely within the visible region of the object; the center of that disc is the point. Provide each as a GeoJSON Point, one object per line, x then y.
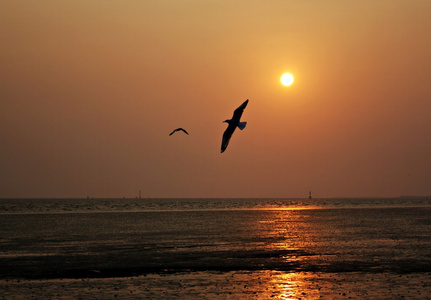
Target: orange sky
{"type": "Point", "coordinates": [90, 90]}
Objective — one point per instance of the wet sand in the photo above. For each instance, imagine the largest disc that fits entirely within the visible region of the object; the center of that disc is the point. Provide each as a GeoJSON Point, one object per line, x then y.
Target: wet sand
{"type": "Point", "coordinates": [228, 285]}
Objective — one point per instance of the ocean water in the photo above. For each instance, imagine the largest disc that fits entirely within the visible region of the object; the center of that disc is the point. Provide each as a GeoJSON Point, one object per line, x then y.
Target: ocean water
{"type": "Point", "coordinates": [216, 248]}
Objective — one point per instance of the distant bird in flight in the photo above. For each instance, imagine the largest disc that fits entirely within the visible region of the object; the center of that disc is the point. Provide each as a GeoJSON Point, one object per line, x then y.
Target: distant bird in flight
{"type": "Point", "coordinates": [178, 129]}
{"type": "Point", "coordinates": [233, 124]}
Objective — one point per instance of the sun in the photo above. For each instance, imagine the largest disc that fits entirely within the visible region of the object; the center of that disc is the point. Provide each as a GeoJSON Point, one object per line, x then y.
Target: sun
{"type": "Point", "coordinates": [286, 79]}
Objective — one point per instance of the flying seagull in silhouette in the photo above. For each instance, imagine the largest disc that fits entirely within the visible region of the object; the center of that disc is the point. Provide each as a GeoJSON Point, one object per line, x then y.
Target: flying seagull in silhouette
{"type": "Point", "coordinates": [178, 129]}
{"type": "Point", "coordinates": [233, 124]}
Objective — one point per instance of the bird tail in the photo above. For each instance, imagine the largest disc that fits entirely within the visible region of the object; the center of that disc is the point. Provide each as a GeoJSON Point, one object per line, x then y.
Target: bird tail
{"type": "Point", "coordinates": [241, 125]}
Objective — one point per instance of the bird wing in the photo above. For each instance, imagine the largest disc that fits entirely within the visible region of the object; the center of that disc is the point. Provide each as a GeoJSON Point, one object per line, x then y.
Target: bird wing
{"type": "Point", "coordinates": [238, 112]}
{"type": "Point", "coordinates": [178, 129]}
{"type": "Point", "coordinates": [226, 137]}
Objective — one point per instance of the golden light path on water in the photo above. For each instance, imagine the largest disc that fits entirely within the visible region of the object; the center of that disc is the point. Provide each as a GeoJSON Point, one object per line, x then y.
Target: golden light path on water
{"type": "Point", "coordinates": [296, 234]}
{"type": "Point", "coordinates": [293, 286]}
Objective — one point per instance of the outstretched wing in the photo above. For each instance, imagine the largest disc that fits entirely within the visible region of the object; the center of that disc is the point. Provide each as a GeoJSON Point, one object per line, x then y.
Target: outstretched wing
{"type": "Point", "coordinates": [178, 130]}
{"type": "Point", "coordinates": [226, 137]}
{"type": "Point", "coordinates": [183, 130]}
{"type": "Point", "coordinates": [238, 112]}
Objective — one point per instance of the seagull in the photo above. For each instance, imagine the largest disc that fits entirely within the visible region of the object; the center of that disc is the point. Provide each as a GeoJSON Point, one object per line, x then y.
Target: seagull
{"type": "Point", "coordinates": [233, 124]}
{"type": "Point", "coordinates": [178, 129]}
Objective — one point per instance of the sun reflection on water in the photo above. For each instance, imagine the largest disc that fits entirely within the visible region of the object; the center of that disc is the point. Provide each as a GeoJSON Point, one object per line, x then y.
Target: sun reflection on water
{"type": "Point", "coordinates": [279, 285]}
{"type": "Point", "coordinates": [290, 233]}
{"type": "Point", "coordinates": [292, 286]}
{"type": "Point", "coordinates": [286, 230]}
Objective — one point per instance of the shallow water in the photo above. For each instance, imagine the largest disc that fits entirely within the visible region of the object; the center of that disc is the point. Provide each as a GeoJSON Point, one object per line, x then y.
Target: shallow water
{"type": "Point", "coordinates": [377, 245]}
{"type": "Point", "coordinates": [228, 285]}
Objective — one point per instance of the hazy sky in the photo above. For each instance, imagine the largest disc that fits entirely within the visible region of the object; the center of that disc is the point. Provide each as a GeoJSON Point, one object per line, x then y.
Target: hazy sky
{"type": "Point", "coordinates": [90, 90]}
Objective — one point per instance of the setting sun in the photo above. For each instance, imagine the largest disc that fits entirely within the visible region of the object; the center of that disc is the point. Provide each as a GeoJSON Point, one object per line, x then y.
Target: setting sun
{"type": "Point", "coordinates": [286, 79]}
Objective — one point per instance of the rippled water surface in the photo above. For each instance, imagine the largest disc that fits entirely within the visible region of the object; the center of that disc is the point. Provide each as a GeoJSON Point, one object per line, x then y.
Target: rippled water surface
{"type": "Point", "coordinates": [22, 206]}
{"type": "Point", "coordinates": [271, 243]}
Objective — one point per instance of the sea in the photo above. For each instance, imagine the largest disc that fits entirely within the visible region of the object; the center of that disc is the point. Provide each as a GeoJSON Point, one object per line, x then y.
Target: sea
{"type": "Point", "coordinates": [342, 248]}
